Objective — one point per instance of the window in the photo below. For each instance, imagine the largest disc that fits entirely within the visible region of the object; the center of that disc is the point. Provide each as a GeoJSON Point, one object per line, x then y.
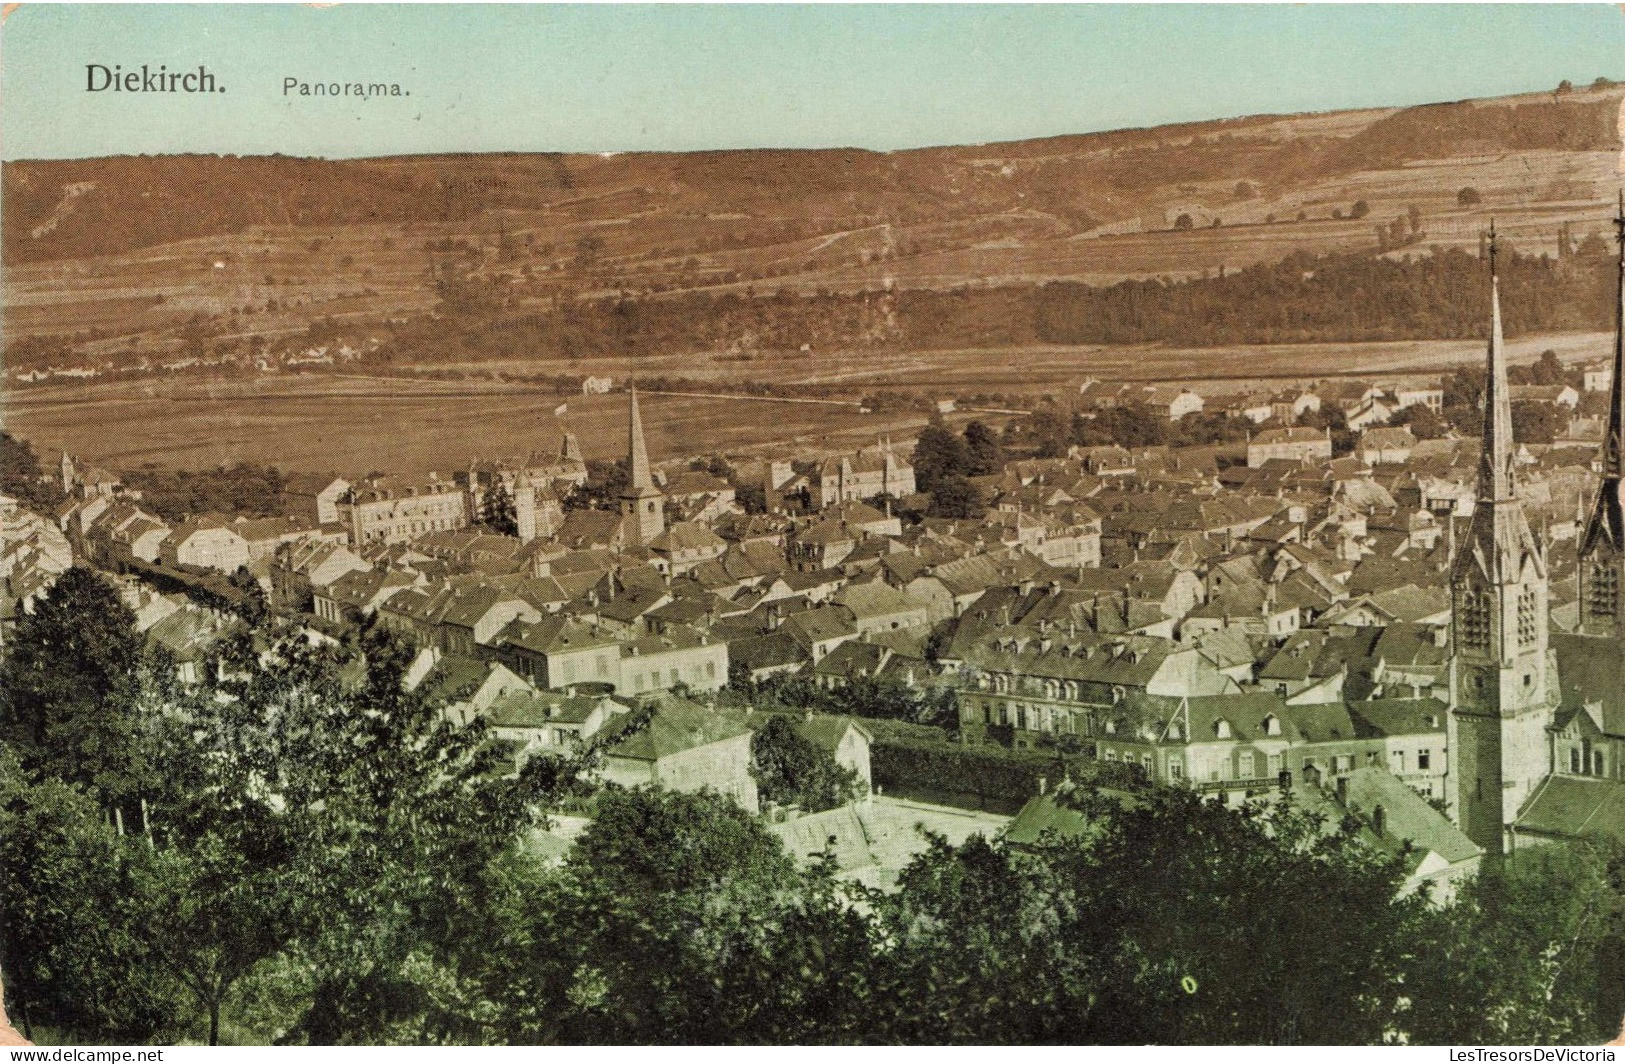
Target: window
{"type": "Point", "coordinates": [1526, 621]}
{"type": "Point", "coordinates": [1345, 762]}
{"type": "Point", "coordinates": [1574, 760]}
{"type": "Point", "coordinates": [1275, 764]}
{"type": "Point", "coordinates": [1176, 768]}
{"type": "Point", "coordinates": [1602, 592]}
{"type": "Point", "coordinates": [1424, 759]}
{"type": "Point", "coordinates": [1473, 619]}
{"type": "Point", "coordinates": [1596, 763]}
{"type": "Point", "coordinates": [1379, 820]}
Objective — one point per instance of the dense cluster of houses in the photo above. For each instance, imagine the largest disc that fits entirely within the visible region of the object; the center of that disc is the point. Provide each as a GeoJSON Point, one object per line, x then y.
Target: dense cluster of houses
{"type": "Point", "coordinates": [1442, 612]}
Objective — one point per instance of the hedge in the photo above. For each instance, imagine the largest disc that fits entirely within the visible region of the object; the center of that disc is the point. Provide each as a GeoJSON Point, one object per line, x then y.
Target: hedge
{"type": "Point", "coordinates": [981, 775]}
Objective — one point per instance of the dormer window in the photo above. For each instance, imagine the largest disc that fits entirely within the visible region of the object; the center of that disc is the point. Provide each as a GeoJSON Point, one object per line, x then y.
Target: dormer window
{"type": "Point", "coordinates": [1272, 725]}
{"type": "Point", "coordinates": [1221, 728]}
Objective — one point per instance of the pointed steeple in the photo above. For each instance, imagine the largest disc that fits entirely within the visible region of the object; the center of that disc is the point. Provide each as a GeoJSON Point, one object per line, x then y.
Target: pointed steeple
{"type": "Point", "coordinates": [1602, 548]}
{"type": "Point", "coordinates": [1613, 444]}
{"type": "Point", "coordinates": [1495, 477]}
{"type": "Point", "coordinates": [637, 453]}
{"type": "Point", "coordinates": [1501, 696]}
{"type": "Point", "coordinates": [642, 503]}
{"type": "Point", "coordinates": [1613, 452]}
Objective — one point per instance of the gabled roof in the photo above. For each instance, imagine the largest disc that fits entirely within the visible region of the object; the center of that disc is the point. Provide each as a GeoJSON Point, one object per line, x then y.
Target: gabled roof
{"type": "Point", "coordinates": [776, 649]}
{"type": "Point", "coordinates": [538, 709]}
{"type": "Point", "coordinates": [553, 634]}
{"type": "Point", "coordinates": [1574, 806]}
{"type": "Point", "coordinates": [1043, 816]}
{"type": "Point", "coordinates": [815, 626]}
{"type": "Point", "coordinates": [875, 600]}
{"type": "Point", "coordinates": [686, 535]}
{"type": "Point", "coordinates": [676, 727]}
{"type": "Point", "coordinates": [852, 660]}
{"type": "Point", "coordinates": [1589, 671]}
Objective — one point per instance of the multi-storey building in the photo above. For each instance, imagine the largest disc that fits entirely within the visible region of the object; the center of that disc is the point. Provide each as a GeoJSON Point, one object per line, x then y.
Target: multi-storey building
{"type": "Point", "coordinates": [398, 509]}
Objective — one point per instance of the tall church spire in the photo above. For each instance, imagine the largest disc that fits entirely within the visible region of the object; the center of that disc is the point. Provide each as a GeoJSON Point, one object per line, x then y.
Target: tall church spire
{"type": "Point", "coordinates": [1613, 448]}
{"type": "Point", "coordinates": [1501, 691]}
{"type": "Point", "coordinates": [1602, 549]}
{"type": "Point", "coordinates": [1495, 476]}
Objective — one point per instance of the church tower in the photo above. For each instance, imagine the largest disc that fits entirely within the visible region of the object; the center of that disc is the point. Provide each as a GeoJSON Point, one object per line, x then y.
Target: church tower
{"type": "Point", "coordinates": [1501, 693]}
{"type": "Point", "coordinates": [524, 507]}
{"type": "Point", "coordinates": [1602, 548]}
{"type": "Point", "coordinates": [642, 504]}
{"type": "Point", "coordinates": [570, 449]}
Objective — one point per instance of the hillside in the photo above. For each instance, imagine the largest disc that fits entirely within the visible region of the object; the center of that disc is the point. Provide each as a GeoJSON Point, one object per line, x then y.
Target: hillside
{"type": "Point", "coordinates": [135, 260]}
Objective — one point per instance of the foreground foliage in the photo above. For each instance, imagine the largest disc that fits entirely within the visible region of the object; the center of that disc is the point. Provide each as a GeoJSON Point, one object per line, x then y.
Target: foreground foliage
{"type": "Point", "coordinates": [323, 858]}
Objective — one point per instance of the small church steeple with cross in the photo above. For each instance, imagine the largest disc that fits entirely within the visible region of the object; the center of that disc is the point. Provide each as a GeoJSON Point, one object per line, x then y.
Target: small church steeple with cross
{"type": "Point", "coordinates": [642, 502]}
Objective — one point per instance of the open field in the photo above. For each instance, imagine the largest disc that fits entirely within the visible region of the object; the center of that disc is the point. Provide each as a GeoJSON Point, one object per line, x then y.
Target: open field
{"type": "Point", "coordinates": [353, 423]}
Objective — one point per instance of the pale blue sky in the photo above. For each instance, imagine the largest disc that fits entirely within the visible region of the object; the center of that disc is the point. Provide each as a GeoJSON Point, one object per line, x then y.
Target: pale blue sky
{"type": "Point", "coordinates": [625, 77]}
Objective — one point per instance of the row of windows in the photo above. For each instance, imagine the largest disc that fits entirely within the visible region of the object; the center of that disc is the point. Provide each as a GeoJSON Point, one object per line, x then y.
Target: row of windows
{"type": "Point", "coordinates": [648, 681]}
{"type": "Point", "coordinates": [1253, 764]}
{"type": "Point", "coordinates": [1424, 761]}
{"type": "Point", "coordinates": [1527, 633]}
{"type": "Point", "coordinates": [408, 528]}
{"type": "Point", "coordinates": [1473, 619]}
{"type": "Point", "coordinates": [1060, 690]}
{"type": "Point", "coordinates": [1587, 760]}
{"type": "Point", "coordinates": [1030, 718]}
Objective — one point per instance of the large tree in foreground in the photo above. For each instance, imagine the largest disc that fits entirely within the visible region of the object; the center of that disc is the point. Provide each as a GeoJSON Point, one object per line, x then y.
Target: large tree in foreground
{"type": "Point", "coordinates": [71, 690]}
{"type": "Point", "coordinates": [1173, 920]}
{"type": "Point", "coordinates": [679, 919]}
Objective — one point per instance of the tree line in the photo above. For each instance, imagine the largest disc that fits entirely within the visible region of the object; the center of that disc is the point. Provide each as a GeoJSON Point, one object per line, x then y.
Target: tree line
{"type": "Point", "coordinates": [1351, 297]}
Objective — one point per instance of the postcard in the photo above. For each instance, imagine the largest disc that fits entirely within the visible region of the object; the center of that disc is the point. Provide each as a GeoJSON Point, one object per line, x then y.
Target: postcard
{"type": "Point", "coordinates": [738, 524]}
